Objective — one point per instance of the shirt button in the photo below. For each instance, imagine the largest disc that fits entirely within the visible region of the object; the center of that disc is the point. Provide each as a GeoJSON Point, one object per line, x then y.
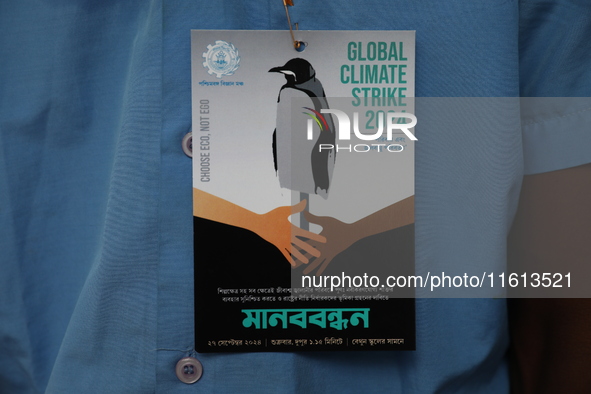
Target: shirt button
{"type": "Point", "coordinates": [188, 144]}
{"type": "Point", "coordinates": [189, 370]}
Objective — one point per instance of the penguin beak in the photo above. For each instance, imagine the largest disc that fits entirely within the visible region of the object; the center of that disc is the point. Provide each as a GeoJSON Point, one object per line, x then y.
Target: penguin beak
{"type": "Point", "coordinates": [275, 70]}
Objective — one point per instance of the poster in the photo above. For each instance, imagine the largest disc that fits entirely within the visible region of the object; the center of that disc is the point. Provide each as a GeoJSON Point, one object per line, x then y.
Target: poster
{"type": "Point", "coordinates": [303, 187]}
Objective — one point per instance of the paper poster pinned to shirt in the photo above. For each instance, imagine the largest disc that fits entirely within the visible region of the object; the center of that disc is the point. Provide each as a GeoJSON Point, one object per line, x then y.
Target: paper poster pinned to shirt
{"type": "Point", "coordinates": [303, 176]}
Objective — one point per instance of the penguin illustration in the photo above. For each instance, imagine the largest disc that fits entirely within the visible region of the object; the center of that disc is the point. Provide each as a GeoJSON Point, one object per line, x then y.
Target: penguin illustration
{"type": "Point", "coordinates": [299, 163]}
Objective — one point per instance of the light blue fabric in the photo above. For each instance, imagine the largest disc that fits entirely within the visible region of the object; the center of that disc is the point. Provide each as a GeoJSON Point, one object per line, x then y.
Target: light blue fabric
{"type": "Point", "coordinates": [96, 291]}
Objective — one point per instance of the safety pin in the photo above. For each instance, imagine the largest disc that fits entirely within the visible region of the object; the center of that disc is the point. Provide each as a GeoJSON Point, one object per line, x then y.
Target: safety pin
{"type": "Point", "coordinates": [298, 45]}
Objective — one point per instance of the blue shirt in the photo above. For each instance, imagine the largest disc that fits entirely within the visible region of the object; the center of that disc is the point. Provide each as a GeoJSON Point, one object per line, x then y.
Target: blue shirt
{"type": "Point", "coordinates": [95, 191]}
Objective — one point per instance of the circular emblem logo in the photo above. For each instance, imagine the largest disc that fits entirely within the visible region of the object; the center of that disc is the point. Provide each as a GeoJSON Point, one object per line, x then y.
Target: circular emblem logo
{"type": "Point", "coordinates": [221, 59]}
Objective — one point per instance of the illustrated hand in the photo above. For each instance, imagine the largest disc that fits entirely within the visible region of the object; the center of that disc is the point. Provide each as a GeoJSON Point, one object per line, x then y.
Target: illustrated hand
{"type": "Point", "coordinates": [340, 236]}
{"type": "Point", "coordinates": [272, 226]}
{"type": "Point", "coordinates": [291, 240]}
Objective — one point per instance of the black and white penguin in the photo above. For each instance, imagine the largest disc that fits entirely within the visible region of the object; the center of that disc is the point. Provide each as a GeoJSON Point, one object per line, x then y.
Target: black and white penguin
{"type": "Point", "coordinates": [299, 163]}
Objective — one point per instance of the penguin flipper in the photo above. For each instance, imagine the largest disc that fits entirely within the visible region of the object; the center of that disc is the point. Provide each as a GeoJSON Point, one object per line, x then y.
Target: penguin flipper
{"type": "Point", "coordinates": [275, 149]}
